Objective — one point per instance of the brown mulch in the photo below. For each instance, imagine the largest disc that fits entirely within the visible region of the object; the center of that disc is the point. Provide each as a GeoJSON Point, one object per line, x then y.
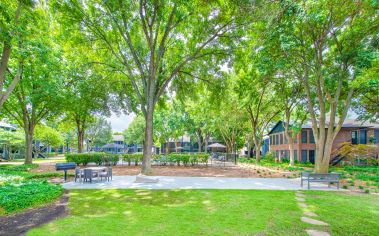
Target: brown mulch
{"type": "Point", "coordinates": [20, 223]}
{"type": "Point", "coordinates": [239, 171]}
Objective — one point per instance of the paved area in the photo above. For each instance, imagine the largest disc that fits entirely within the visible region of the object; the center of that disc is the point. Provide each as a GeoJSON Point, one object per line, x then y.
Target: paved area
{"type": "Point", "coordinates": [173, 182]}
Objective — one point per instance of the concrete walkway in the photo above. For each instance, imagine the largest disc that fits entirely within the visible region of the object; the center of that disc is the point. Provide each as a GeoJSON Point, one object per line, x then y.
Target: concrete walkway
{"type": "Point", "coordinates": [174, 182]}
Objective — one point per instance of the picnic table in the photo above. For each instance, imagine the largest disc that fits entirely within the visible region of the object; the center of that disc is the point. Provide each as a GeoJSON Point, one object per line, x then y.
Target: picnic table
{"type": "Point", "coordinates": [96, 171]}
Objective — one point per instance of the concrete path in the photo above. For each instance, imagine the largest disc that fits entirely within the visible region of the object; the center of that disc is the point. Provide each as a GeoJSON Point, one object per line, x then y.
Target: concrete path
{"type": "Point", "coordinates": [173, 182]}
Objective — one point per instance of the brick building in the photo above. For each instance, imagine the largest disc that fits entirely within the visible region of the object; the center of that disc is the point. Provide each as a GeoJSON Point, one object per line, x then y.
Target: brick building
{"type": "Point", "coordinates": [304, 146]}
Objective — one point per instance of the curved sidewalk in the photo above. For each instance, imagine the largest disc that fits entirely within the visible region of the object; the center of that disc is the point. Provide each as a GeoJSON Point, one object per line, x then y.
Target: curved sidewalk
{"type": "Point", "coordinates": [174, 182]}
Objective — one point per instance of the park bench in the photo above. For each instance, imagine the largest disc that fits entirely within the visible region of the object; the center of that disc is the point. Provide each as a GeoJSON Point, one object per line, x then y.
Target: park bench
{"type": "Point", "coordinates": [321, 178]}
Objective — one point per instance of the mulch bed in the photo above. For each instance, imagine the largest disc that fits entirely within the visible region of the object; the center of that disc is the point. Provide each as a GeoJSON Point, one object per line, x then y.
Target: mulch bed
{"type": "Point", "coordinates": [20, 223]}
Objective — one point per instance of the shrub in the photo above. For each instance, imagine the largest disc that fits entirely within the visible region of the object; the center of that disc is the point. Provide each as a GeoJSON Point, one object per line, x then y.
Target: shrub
{"type": "Point", "coordinates": [96, 157]}
{"type": "Point", "coordinates": [18, 196]}
{"type": "Point", "coordinates": [202, 157]}
{"type": "Point", "coordinates": [133, 157]}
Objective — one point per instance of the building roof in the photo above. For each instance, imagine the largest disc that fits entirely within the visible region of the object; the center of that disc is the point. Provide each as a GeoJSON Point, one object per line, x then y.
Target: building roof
{"type": "Point", "coordinates": [6, 126]}
{"type": "Point", "coordinates": [118, 137]}
{"type": "Point", "coordinates": [348, 123]}
{"type": "Point", "coordinates": [112, 145]}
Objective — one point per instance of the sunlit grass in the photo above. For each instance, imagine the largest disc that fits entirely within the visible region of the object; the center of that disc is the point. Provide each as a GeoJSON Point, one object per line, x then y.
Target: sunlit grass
{"type": "Point", "coordinates": [211, 212]}
{"type": "Point", "coordinates": [178, 212]}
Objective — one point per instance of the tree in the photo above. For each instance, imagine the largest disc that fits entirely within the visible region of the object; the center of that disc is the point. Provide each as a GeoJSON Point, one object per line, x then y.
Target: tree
{"type": "Point", "coordinates": [330, 43]}
{"type": "Point", "coordinates": [99, 133]}
{"type": "Point", "coordinates": [14, 34]}
{"type": "Point", "coordinates": [49, 137]}
{"type": "Point", "coordinates": [37, 96]}
{"type": "Point", "coordinates": [134, 133]}
{"type": "Point", "coordinates": [151, 42]}
{"type": "Point", "coordinates": [366, 104]}
{"type": "Point", "coordinates": [169, 123]}
{"type": "Point", "coordinates": [201, 117]}
{"type": "Point", "coordinates": [11, 141]}
{"type": "Point", "coordinates": [230, 121]}
{"type": "Point", "coordinates": [88, 93]}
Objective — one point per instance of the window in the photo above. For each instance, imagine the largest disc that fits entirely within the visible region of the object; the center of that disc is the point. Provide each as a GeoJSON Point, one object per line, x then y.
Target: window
{"type": "Point", "coordinates": [295, 154]}
{"type": "Point", "coordinates": [277, 139]}
{"type": "Point", "coordinates": [271, 140]}
{"type": "Point", "coordinates": [304, 157]}
{"type": "Point", "coordinates": [312, 156]}
{"type": "Point", "coordinates": [376, 136]}
{"type": "Point", "coordinates": [354, 137]}
{"type": "Point", "coordinates": [362, 136]}
{"type": "Point", "coordinates": [285, 139]}
{"type": "Point", "coordinates": [304, 136]}
{"type": "Point", "coordinates": [286, 154]}
{"type": "Point", "coordinates": [311, 137]}
{"type": "Point", "coordinates": [281, 138]}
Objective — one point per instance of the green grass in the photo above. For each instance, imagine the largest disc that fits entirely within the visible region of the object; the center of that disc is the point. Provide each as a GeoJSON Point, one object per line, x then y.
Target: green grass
{"type": "Point", "coordinates": [211, 212]}
{"type": "Point", "coordinates": [347, 214]}
{"type": "Point", "coordinates": [181, 212]}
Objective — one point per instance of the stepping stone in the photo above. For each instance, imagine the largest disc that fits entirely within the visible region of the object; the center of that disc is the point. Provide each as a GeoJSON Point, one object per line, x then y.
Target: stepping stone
{"type": "Point", "coordinates": [312, 232]}
{"type": "Point", "coordinates": [300, 199]}
{"type": "Point", "coordinates": [299, 195]}
{"type": "Point", "coordinates": [309, 213]}
{"type": "Point", "coordinates": [303, 205]}
{"type": "Point", "coordinates": [312, 221]}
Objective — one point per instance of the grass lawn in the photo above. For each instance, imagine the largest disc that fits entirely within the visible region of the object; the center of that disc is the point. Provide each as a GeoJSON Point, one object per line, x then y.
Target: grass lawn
{"type": "Point", "coordinates": [211, 212]}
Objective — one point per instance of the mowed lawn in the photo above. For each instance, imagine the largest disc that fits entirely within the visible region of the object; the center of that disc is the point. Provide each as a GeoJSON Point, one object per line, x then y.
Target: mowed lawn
{"type": "Point", "coordinates": [211, 212]}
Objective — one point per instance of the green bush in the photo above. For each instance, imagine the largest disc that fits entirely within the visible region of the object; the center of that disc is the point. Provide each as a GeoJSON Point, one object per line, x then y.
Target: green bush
{"type": "Point", "coordinates": [18, 196]}
{"type": "Point", "coordinates": [96, 157]}
{"type": "Point", "coordinates": [133, 157]}
{"type": "Point", "coordinates": [202, 157]}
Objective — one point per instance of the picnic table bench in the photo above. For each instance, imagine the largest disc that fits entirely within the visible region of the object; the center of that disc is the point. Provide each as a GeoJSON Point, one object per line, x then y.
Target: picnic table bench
{"type": "Point", "coordinates": [323, 178]}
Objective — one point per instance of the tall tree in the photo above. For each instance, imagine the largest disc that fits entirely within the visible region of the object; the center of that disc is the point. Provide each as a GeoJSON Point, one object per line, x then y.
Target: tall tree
{"type": "Point", "coordinates": [15, 31]}
{"type": "Point", "coordinates": [49, 136]}
{"type": "Point", "coordinates": [99, 132]}
{"type": "Point", "coordinates": [330, 43]}
{"type": "Point", "coordinates": [151, 42]}
{"type": "Point", "coordinates": [37, 96]}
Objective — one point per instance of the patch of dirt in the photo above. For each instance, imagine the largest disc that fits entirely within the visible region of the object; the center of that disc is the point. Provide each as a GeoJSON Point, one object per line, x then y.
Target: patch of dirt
{"type": "Point", "coordinates": [20, 223]}
{"type": "Point", "coordinates": [240, 171]}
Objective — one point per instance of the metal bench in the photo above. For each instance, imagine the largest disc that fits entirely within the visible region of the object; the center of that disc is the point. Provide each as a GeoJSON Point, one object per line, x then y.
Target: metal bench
{"type": "Point", "coordinates": [323, 178]}
{"type": "Point", "coordinates": [65, 166]}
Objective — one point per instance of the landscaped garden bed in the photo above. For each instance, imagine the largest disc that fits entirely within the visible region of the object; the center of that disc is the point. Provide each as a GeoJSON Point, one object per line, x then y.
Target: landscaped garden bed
{"type": "Point", "coordinates": [21, 189]}
{"type": "Point", "coordinates": [356, 178]}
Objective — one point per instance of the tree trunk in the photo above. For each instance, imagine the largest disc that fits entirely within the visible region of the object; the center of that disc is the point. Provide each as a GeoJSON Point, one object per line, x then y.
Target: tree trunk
{"type": "Point", "coordinates": [206, 143]}
{"type": "Point", "coordinates": [80, 140]}
{"type": "Point", "coordinates": [248, 149]}
{"type": "Point", "coordinates": [257, 151]}
{"type": "Point", "coordinates": [29, 146]}
{"type": "Point", "coordinates": [148, 142]}
{"type": "Point", "coordinates": [292, 155]}
{"type": "Point", "coordinates": [168, 146]}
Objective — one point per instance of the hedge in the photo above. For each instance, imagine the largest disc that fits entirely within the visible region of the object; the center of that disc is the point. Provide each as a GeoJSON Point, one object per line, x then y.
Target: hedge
{"type": "Point", "coordinates": [98, 158]}
{"type": "Point", "coordinates": [181, 158]}
{"type": "Point", "coordinates": [132, 157]}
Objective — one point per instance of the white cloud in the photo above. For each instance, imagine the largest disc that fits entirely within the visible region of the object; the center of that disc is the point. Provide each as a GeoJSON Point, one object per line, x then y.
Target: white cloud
{"type": "Point", "coordinates": [121, 122]}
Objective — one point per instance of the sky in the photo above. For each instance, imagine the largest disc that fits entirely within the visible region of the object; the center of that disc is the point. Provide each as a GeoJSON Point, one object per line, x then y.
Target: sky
{"type": "Point", "coordinates": [121, 122]}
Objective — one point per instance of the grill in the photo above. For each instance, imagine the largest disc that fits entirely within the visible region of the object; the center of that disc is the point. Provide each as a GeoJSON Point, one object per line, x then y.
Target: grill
{"type": "Point", "coordinates": [65, 167]}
